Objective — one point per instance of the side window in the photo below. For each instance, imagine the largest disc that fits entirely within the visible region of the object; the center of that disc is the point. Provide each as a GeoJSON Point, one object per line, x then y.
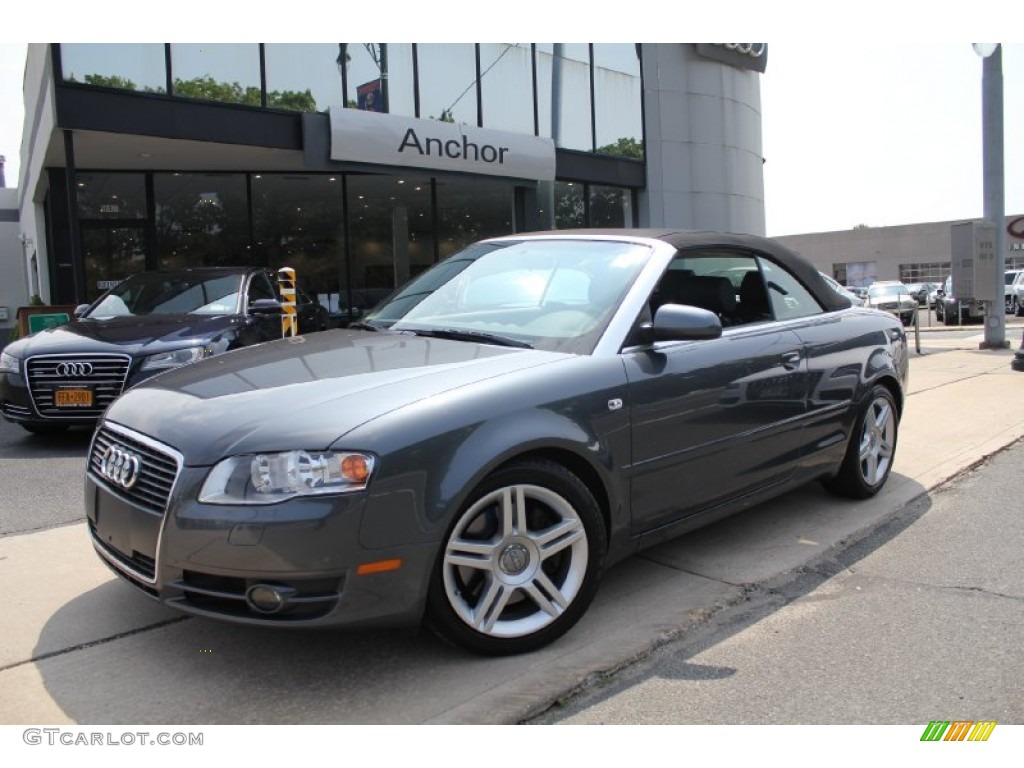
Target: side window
{"type": "Point", "coordinates": [789, 299]}
{"type": "Point", "coordinates": [260, 288]}
{"type": "Point", "coordinates": [728, 283]}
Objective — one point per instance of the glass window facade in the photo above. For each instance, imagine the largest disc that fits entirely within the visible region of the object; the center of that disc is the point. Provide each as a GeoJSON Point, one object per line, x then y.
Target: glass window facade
{"type": "Point", "coordinates": [447, 82]}
{"type": "Point", "coordinates": [597, 87]}
{"type": "Point", "coordinates": [202, 219]}
{"type": "Point", "coordinates": [131, 66]}
{"type": "Point", "coordinates": [506, 80]}
{"type": "Point", "coordinates": [379, 77]}
{"type": "Point", "coordinates": [298, 222]}
{"type": "Point", "coordinates": [617, 105]}
{"type": "Point", "coordinates": [111, 196]}
{"type": "Point", "coordinates": [303, 77]}
{"type": "Point", "coordinates": [353, 236]}
{"type": "Point", "coordinates": [563, 78]}
{"type": "Point", "coordinates": [228, 72]}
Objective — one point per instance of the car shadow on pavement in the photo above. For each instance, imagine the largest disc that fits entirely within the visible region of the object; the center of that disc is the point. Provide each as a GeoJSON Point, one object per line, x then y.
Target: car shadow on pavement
{"type": "Point", "coordinates": [674, 659]}
{"type": "Point", "coordinates": [16, 443]}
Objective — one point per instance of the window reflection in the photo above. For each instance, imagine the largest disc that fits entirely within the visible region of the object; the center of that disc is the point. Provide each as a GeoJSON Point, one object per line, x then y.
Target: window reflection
{"type": "Point", "coordinates": [617, 105]}
{"type": "Point", "coordinates": [564, 69]}
{"type": "Point", "coordinates": [391, 236]}
{"type": "Point", "coordinates": [472, 210]}
{"type": "Point", "coordinates": [111, 195]}
{"type": "Point", "coordinates": [447, 82]}
{"type": "Point", "coordinates": [303, 77]}
{"type": "Point", "coordinates": [507, 82]}
{"type": "Point", "coordinates": [133, 67]}
{"type": "Point", "coordinates": [202, 219]}
{"type": "Point", "coordinates": [227, 72]}
{"type": "Point", "coordinates": [379, 77]}
{"type": "Point", "coordinates": [610, 206]}
{"type": "Point", "coordinates": [297, 223]}
{"type": "Point", "coordinates": [569, 206]}
{"type": "Point", "coordinates": [110, 255]}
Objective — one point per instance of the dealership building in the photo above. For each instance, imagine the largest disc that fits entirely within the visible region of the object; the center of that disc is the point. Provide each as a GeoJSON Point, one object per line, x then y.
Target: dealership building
{"type": "Point", "coordinates": [361, 164]}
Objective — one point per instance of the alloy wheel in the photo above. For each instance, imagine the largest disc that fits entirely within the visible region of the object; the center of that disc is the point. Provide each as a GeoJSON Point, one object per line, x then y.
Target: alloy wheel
{"type": "Point", "coordinates": [877, 441]}
{"type": "Point", "coordinates": [515, 561]}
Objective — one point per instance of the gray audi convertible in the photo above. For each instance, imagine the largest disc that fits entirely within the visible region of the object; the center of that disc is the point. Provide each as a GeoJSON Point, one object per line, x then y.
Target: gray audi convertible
{"type": "Point", "coordinates": [495, 435]}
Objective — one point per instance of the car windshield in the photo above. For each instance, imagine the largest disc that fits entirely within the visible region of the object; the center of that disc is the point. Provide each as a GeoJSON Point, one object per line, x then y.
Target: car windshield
{"type": "Point", "coordinates": [155, 293]}
{"type": "Point", "coordinates": [891, 290]}
{"type": "Point", "coordinates": [548, 294]}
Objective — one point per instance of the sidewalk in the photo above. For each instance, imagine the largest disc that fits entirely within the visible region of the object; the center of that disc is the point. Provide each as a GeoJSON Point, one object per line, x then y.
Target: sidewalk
{"type": "Point", "coordinates": [79, 647]}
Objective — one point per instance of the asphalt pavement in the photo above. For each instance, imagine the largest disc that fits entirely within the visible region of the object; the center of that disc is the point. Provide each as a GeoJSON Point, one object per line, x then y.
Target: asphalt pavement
{"type": "Point", "coordinates": [79, 646]}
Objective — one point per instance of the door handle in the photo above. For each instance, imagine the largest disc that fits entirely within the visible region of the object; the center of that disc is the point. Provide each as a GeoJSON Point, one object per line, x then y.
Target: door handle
{"type": "Point", "coordinates": [791, 361]}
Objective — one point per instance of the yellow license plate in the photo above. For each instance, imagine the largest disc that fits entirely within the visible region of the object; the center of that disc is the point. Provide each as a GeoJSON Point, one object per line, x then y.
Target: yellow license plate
{"type": "Point", "coordinates": [73, 398]}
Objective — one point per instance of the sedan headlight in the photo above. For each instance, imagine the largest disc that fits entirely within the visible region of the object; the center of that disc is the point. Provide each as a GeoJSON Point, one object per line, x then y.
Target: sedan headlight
{"type": "Point", "coordinates": [8, 363]}
{"type": "Point", "coordinates": [174, 359]}
{"type": "Point", "coordinates": [268, 478]}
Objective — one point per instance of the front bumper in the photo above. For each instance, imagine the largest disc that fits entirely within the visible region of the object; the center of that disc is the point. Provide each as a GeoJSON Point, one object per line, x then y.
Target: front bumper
{"type": "Point", "coordinates": [204, 559]}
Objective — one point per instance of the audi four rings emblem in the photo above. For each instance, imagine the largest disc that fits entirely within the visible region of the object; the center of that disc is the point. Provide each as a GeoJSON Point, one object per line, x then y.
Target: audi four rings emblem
{"type": "Point", "coordinates": [120, 466]}
{"type": "Point", "coordinates": [74, 369]}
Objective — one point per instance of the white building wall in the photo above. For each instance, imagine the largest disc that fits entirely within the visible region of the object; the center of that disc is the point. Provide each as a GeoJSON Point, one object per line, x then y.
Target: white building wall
{"type": "Point", "coordinates": [40, 120]}
{"type": "Point", "coordinates": [702, 143]}
{"type": "Point", "coordinates": [13, 288]}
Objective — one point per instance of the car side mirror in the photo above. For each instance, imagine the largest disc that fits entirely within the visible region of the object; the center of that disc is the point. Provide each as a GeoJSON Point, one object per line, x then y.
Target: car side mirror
{"type": "Point", "coordinates": [265, 307]}
{"type": "Point", "coordinates": [80, 309]}
{"type": "Point", "coordinates": [679, 322]}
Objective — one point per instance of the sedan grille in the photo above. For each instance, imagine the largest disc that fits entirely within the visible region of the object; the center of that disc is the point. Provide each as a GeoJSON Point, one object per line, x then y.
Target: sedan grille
{"type": "Point", "coordinates": [101, 376]}
{"type": "Point", "coordinates": [153, 468]}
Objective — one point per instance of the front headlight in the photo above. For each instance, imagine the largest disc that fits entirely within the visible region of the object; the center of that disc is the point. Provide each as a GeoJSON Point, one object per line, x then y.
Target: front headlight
{"type": "Point", "coordinates": [8, 363]}
{"type": "Point", "coordinates": [174, 359]}
{"type": "Point", "coordinates": [268, 478]}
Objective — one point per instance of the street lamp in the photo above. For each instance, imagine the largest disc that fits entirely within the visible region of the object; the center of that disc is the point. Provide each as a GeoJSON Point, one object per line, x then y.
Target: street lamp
{"type": "Point", "coordinates": [992, 172]}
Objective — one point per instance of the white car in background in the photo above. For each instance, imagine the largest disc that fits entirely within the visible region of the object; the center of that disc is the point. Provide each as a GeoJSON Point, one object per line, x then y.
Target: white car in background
{"type": "Point", "coordinates": [1013, 277]}
{"type": "Point", "coordinates": [1017, 294]}
{"type": "Point", "coordinates": [893, 297]}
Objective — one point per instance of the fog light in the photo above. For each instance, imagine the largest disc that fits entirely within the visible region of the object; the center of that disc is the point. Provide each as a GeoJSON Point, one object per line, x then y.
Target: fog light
{"type": "Point", "coordinates": [268, 598]}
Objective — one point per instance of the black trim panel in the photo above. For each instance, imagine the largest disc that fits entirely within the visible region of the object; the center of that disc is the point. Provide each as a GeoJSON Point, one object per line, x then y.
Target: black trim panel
{"type": "Point", "coordinates": [87, 108]}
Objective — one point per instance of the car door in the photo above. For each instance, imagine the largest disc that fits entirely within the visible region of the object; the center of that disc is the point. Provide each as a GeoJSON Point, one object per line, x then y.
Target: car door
{"type": "Point", "coordinates": [260, 327]}
{"type": "Point", "coordinates": [718, 419]}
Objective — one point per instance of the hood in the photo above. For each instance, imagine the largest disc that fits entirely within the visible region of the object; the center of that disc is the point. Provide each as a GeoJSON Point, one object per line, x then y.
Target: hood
{"type": "Point", "coordinates": [127, 335]}
{"type": "Point", "coordinates": [304, 392]}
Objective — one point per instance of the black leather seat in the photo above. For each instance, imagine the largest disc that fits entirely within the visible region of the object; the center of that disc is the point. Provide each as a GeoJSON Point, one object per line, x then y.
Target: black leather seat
{"type": "Point", "coordinates": [754, 306]}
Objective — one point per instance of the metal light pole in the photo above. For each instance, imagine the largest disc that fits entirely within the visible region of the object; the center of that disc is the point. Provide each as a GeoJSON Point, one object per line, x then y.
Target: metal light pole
{"type": "Point", "coordinates": [994, 184]}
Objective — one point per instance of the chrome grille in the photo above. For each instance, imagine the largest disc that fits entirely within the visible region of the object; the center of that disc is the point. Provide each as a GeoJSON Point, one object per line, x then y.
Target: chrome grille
{"type": "Point", "coordinates": [103, 374]}
{"type": "Point", "coordinates": [159, 466]}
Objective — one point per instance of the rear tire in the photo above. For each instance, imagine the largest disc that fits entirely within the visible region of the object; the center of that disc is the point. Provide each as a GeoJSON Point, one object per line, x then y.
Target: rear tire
{"type": "Point", "coordinates": [871, 450]}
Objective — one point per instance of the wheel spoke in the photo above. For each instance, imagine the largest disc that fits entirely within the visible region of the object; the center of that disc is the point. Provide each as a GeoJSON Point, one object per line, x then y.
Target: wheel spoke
{"type": "Point", "coordinates": [882, 417]}
{"type": "Point", "coordinates": [558, 537]}
{"type": "Point", "coordinates": [547, 596]}
{"type": "Point", "coordinates": [462, 553]}
{"type": "Point", "coordinates": [491, 604]}
{"type": "Point", "coordinates": [513, 510]}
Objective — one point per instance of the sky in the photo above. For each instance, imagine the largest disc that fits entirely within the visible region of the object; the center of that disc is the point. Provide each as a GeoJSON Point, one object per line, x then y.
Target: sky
{"type": "Point", "coordinates": [873, 120]}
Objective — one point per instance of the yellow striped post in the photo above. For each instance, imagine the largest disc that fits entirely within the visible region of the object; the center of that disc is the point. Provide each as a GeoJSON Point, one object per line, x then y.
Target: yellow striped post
{"type": "Point", "coordinates": [286, 284]}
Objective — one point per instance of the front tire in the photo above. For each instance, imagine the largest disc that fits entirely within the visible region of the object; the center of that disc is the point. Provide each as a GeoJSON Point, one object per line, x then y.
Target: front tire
{"type": "Point", "coordinates": [520, 563]}
{"type": "Point", "coordinates": [872, 448]}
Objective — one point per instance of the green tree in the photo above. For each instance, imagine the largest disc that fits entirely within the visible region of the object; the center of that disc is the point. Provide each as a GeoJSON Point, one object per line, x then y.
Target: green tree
{"type": "Point", "coordinates": [300, 101]}
{"type": "Point", "coordinates": [210, 89]}
{"type": "Point", "coordinates": [624, 147]}
{"type": "Point", "coordinates": [109, 81]}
